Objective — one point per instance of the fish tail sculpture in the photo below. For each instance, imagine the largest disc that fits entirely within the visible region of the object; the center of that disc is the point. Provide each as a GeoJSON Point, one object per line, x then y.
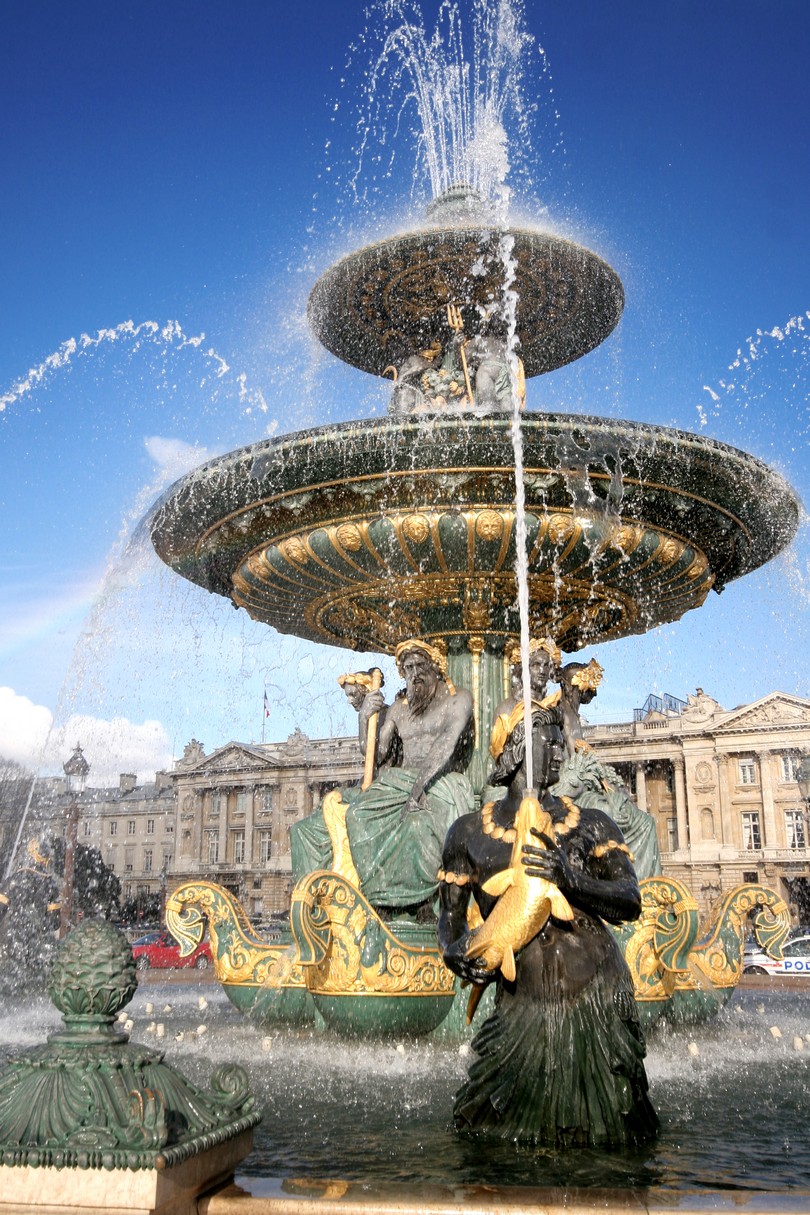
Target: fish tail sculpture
{"type": "Point", "coordinates": [524, 902]}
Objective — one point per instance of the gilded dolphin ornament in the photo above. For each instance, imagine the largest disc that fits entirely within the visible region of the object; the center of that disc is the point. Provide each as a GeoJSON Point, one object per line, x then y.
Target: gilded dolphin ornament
{"type": "Point", "coordinates": [524, 902]}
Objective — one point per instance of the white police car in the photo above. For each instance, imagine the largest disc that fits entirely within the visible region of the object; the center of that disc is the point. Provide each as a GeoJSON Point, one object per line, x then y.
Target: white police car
{"type": "Point", "coordinates": [795, 960]}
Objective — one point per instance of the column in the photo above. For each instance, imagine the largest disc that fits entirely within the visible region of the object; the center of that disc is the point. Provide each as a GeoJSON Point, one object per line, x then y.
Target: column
{"type": "Point", "coordinates": [249, 813]}
{"type": "Point", "coordinates": [225, 796]}
{"type": "Point", "coordinates": [769, 839]}
{"type": "Point", "coordinates": [641, 787]}
{"type": "Point", "coordinates": [684, 838]}
{"type": "Point", "coordinates": [728, 830]}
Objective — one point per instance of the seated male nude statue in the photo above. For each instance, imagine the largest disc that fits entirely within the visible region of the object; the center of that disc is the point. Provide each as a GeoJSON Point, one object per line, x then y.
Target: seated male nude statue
{"type": "Point", "coordinates": [389, 836]}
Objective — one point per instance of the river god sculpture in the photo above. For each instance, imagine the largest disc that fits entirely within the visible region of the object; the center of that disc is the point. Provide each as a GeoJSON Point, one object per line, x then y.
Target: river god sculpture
{"type": "Point", "coordinates": [395, 828]}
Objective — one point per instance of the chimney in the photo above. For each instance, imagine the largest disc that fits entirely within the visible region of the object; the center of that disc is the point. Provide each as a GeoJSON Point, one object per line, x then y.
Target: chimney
{"type": "Point", "coordinates": [127, 782]}
{"type": "Point", "coordinates": [162, 781]}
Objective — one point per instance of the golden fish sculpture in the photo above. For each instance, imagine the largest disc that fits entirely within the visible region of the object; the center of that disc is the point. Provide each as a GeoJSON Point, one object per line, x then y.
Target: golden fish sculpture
{"type": "Point", "coordinates": [524, 903]}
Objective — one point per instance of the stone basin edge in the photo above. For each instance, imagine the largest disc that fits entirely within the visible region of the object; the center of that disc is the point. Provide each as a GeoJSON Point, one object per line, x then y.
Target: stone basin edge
{"type": "Point", "coordinates": [275, 1196]}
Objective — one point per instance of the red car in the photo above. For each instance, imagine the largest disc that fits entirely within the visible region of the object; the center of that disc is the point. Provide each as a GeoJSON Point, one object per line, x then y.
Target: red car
{"type": "Point", "coordinates": [160, 950]}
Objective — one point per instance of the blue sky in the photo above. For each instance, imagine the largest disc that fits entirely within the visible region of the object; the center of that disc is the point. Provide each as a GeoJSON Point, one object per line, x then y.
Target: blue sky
{"type": "Point", "coordinates": [167, 165]}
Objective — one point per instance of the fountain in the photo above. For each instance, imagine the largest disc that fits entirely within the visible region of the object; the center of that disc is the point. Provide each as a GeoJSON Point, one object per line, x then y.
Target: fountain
{"type": "Point", "coordinates": [374, 532]}
{"type": "Point", "coordinates": [367, 533]}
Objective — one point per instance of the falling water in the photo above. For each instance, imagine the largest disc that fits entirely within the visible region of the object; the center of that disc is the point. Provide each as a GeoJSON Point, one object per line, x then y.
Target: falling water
{"type": "Point", "coordinates": [463, 106]}
{"type": "Point", "coordinates": [169, 334]}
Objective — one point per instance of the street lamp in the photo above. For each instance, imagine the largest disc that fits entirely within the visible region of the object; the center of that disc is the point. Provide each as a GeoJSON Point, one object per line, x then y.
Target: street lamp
{"type": "Point", "coordinates": [75, 769]}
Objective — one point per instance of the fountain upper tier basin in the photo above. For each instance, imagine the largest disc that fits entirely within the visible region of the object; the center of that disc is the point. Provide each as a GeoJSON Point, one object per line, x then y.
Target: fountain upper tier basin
{"type": "Point", "coordinates": [383, 303]}
{"type": "Point", "coordinates": [367, 532]}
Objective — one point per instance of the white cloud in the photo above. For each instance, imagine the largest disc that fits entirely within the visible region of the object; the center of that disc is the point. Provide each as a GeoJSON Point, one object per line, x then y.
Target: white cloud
{"type": "Point", "coordinates": [174, 457]}
{"type": "Point", "coordinates": [24, 728]}
{"type": "Point", "coordinates": [27, 735]}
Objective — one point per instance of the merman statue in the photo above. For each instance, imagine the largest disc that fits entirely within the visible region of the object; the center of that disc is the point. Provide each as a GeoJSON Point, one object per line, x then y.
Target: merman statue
{"type": "Point", "coordinates": [389, 835]}
{"type": "Point", "coordinates": [466, 372]}
{"type": "Point", "coordinates": [559, 1062]}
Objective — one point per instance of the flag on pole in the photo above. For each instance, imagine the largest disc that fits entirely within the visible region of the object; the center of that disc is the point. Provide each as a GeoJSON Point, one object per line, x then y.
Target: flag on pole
{"type": "Point", "coordinates": [266, 706]}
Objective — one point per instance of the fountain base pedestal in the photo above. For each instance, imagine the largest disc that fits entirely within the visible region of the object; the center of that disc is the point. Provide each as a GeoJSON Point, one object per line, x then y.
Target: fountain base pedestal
{"type": "Point", "coordinates": [175, 1190]}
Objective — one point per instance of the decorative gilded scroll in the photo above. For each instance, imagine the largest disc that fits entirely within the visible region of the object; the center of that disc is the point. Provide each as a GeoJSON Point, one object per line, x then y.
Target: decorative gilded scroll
{"type": "Point", "coordinates": [239, 956]}
{"type": "Point", "coordinates": [669, 956]}
{"type": "Point", "coordinates": [346, 949]}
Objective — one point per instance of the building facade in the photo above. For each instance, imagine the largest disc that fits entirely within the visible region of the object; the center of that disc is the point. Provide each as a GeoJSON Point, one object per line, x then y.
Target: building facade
{"type": "Point", "coordinates": [721, 786]}
{"type": "Point", "coordinates": [235, 808]}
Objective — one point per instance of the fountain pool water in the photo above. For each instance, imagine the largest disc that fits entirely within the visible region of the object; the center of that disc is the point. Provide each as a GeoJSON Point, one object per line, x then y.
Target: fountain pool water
{"type": "Point", "coordinates": [732, 1114]}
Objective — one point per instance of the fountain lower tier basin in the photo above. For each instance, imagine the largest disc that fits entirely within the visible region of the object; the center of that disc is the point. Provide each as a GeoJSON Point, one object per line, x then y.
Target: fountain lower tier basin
{"type": "Point", "coordinates": [375, 1118]}
{"type": "Point", "coordinates": [367, 532]}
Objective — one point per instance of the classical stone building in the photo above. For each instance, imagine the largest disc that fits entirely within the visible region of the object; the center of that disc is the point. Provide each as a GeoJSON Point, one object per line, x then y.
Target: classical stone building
{"type": "Point", "coordinates": [132, 825]}
{"type": "Point", "coordinates": [719, 783]}
{"type": "Point", "coordinates": [235, 808]}
{"type": "Point", "coordinates": [721, 786]}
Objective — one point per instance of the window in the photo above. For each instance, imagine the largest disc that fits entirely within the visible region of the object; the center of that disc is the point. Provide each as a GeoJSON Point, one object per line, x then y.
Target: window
{"type": "Point", "coordinates": [113, 828]}
{"type": "Point", "coordinates": [267, 800]}
{"type": "Point", "coordinates": [238, 847]}
{"type": "Point", "coordinates": [241, 802]}
{"type": "Point", "coordinates": [147, 860]}
{"type": "Point", "coordinates": [169, 827]}
{"type": "Point", "coordinates": [790, 767]}
{"type": "Point", "coordinates": [87, 826]}
{"type": "Point", "coordinates": [150, 826]}
{"type": "Point", "coordinates": [752, 839]}
{"type": "Point", "coordinates": [265, 844]}
{"type": "Point", "coordinates": [748, 773]}
{"type": "Point", "coordinates": [168, 857]}
{"type": "Point", "coordinates": [672, 835]}
{"type": "Point", "coordinates": [216, 798]}
{"type": "Point", "coordinates": [669, 778]}
{"type": "Point", "coordinates": [750, 875]}
{"type": "Point", "coordinates": [131, 826]}
{"type": "Point", "coordinates": [212, 842]}
{"type": "Point", "coordinates": [794, 829]}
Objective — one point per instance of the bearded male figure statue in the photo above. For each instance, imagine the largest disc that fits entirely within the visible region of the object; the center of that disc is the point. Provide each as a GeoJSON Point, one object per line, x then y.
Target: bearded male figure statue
{"type": "Point", "coordinates": [395, 829]}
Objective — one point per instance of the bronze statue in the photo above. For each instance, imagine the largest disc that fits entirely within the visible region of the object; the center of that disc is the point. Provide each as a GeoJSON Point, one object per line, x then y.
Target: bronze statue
{"type": "Point", "coordinates": [468, 372]}
{"type": "Point", "coordinates": [544, 659]}
{"type": "Point", "coordinates": [560, 1060]}
{"type": "Point", "coordinates": [594, 784]}
{"type": "Point", "coordinates": [395, 828]}
{"type": "Point", "coordinates": [579, 682]}
{"type": "Point", "coordinates": [598, 786]}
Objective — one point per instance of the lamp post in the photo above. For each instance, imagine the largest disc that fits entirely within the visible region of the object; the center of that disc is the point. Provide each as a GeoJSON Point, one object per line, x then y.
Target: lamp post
{"type": "Point", "coordinates": [75, 769]}
{"type": "Point", "coordinates": [164, 879]}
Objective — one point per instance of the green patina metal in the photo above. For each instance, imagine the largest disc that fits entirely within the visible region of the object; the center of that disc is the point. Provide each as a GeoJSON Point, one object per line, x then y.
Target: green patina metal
{"type": "Point", "coordinates": [382, 303]}
{"type": "Point", "coordinates": [368, 533]}
{"type": "Point", "coordinates": [91, 1099]}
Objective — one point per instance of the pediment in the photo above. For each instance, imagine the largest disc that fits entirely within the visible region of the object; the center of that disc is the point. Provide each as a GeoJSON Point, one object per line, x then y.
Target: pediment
{"type": "Point", "coordinates": [235, 757]}
{"type": "Point", "coordinates": [772, 711]}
